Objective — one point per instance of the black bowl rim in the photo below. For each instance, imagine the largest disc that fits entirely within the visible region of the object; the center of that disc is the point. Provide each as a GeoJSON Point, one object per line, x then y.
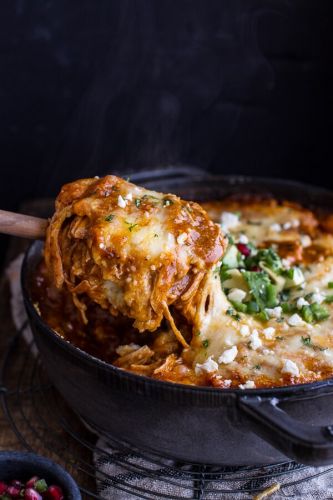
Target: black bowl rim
{"type": "Point", "coordinates": [162, 384]}
{"type": "Point", "coordinates": [26, 457]}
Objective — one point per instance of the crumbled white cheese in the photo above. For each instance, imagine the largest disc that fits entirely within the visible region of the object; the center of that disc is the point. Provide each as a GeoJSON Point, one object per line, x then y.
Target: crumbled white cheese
{"type": "Point", "coordinates": [305, 240]}
{"type": "Point", "coordinates": [295, 223]}
{"type": "Point", "coordinates": [301, 302]}
{"type": "Point", "coordinates": [290, 367]}
{"type": "Point", "coordinates": [101, 245]}
{"type": "Point", "coordinates": [227, 383]}
{"type": "Point", "coordinates": [287, 225]}
{"type": "Point", "coordinates": [266, 352]}
{"type": "Point", "coordinates": [286, 263]}
{"type": "Point", "coordinates": [96, 177]}
{"type": "Point", "coordinates": [275, 227]}
{"type": "Point", "coordinates": [236, 295]}
{"type": "Point", "coordinates": [208, 366]}
{"type": "Point", "coordinates": [181, 238]}
{"type": "Point", "coordinates": [129, 196]}
{"type": "Point", "coordinates": [317, 298]}
{"type": "Point", "coordinates": [268, 332]}
{"type": "Point", "coordinates": [228, 355]}
{"type": "Point", "coordinates": [229, 220]}
{"type": "Point", "coordinates": [244, 330]}
{"type": "Point", "coordinates": [295, 320]}
{"type": "Point", "coordinates": [249, 384]}
{"type": "Point", "coordinates": [275, 312]}
{"type": "Point", "coordinates": [255, 341]}
{"type": "Point", "coordinates": [243, 239]}
{"type": "Point", "coordinates": [121, 202]}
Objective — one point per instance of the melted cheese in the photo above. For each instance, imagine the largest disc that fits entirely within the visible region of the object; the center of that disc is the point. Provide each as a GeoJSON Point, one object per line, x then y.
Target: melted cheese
{"type": "Point", "coordinates": [278, 351]}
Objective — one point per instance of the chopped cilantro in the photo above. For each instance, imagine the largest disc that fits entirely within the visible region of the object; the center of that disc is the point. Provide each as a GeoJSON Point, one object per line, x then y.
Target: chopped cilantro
{"type": "Point", "coordinates": [109, 218]}
{"type": "Point", "coordinates": [253, 222]}
{"type": "Point", "coordinates": [257, 367]}
{"type": "Point", "coordinates": [131, 225]}
{"type": "Point", "coordinates": [262, 290]}
{"type": "Point", "coordinates": [205, 343]}
{"type": "Point", "coordinates": [137, 202]}
{"type": "Point", "coordinates": [306, 340]}
{"type": "Point", "coordinates": [330, 284]}
{"type": "Point", "coordinates": [230, 312]}
{"type": "Point", "coordinates": [155, 235]}
{"type": "Point", "coordinates": [167, 202]}
{"type": "Point", "coordinates": [329, 299]}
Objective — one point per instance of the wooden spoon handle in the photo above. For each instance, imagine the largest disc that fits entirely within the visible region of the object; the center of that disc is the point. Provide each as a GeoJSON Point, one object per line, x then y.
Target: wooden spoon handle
{"type": "Point", "coordinates": [25, 226]}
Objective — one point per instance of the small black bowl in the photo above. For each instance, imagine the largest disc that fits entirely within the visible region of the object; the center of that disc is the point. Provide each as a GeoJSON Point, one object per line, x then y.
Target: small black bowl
{"type": "Point", "coordinates": [23, 465]}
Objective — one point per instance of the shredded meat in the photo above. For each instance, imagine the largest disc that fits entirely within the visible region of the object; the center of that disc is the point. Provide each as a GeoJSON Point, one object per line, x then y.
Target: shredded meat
{"type": "Point", "coordinates": [132, 251]}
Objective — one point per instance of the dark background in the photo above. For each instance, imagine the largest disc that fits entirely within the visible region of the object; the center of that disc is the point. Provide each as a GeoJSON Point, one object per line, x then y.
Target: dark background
{"type": "Point", "coordinates": [93, 86]}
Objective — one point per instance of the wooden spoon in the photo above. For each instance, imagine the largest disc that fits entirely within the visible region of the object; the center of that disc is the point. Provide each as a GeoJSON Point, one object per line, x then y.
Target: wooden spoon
{"type": "Point", "coordinates": [25, 226]}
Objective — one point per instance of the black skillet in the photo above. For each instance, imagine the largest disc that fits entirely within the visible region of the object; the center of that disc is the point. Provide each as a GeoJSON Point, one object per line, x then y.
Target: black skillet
{"type": "Point", "coordinates": [195, 424]}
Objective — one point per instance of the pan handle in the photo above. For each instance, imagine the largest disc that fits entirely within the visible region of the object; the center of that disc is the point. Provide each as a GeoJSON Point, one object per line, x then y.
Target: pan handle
{"type": "Point", "coordinates": [301, 442]}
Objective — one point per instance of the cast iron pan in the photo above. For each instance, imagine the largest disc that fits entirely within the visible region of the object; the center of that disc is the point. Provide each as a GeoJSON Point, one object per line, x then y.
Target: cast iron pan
{"type": "Point", "coordinates": [195, 424]}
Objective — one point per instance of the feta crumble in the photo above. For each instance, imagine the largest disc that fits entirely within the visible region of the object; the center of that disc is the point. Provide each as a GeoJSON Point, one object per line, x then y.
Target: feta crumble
{"type": "Point", "coordinates": [229, 221]}
{"type": "Point", "coordinates": [305, 240]}
{"type": "Point", "coordinates": [269, 332]}
{"type": "Point", "coordinates": [236, 295]}
{"type": "Point", "coordinates": [243, 239]}
{"type": "Point", "coordinates": [275, 227]}
{"type": "Point", "coordinates": [244, 330]}
{"type": "Point", "coordinates": [129, 197]}
{"type": "Point", "coordinates": [121, 202]}
{"type": "Point", "coordinates": [295, 320]}
{"type": "Point", "coordinates": [255, 341]}
{"type": "Point", "coordinates": [275, 312]}
{"type": "Point", "coordinates": [208, 366]}
{"type": "Point", "coordinates": [301, 302]}
{"type": "Point", "coordinates": [228, 355]}
{"type": "Point", "coordinates": [249, 384]}
{"type": "Point", "coordinates": [317, 298]}
{"type": "Point", "coordinates": [290, 367]}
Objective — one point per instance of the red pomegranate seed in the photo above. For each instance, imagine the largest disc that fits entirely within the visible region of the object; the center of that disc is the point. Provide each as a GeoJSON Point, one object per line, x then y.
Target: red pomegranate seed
{"type": "Point", "coordinates": [3, 487]}
{"type": "Point", "coordinates": [13, 491]}
{"type": "Point", "coordinates": [31, 494]}
{"type": "Point", "coordinates": [54, 493]}
{"type": "Point", "coordinates": [256, 269]}
{"type": "Point", "coordinates": [244, 249]}
{"type": "Point", "coordinates": [31, 482]}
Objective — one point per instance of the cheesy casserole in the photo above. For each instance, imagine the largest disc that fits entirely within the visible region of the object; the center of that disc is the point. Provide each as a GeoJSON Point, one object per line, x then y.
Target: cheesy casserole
{"type": "Point", "coordinates": [236, 293]}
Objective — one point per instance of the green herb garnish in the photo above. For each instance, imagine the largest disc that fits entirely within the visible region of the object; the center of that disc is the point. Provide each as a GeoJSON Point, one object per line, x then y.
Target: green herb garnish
{"type": "Point", "coordinates": [308, 342]}
{"type": "Point", "coordinates": [167, 202]}
{"type": "Point", "coordinates": [109, 218]}
{"type": "Point", "coordinates": [330, 284]}
{"type": "Point", "coordinates": [137, 202]}
{"type": "Point", "coordinates": [329, 299]}
{"type": "Point", "coordinates": [131, 225]}
{"type": "Point", "coordinates": [279, 338]}
{"type": "Point", "coordinates": [257, 367]}
{"type": "Point", "coordinates": [262, 290]}
{"type": "Point", "coordinates": [230, 312]}
{"type": "Point", "coordinates": [205, 343]}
